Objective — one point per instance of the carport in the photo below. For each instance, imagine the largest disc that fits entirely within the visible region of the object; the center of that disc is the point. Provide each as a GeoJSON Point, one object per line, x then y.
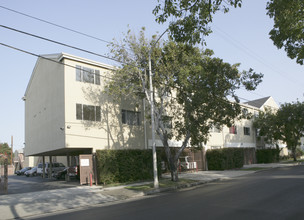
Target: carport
{"type": "Point", "coordinates": [70, 152]}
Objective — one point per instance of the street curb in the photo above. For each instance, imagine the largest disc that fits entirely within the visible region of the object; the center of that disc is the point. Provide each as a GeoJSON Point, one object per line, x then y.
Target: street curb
{"type": "Point", "coordinates": [189, 185]}
{"type": "Point", "coordinates": [183, 186]}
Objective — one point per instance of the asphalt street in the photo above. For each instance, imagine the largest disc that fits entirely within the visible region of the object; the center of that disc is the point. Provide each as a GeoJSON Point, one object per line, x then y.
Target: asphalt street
{"type": "Point", "coordinates": [23, 184]}
{"type": "Point", "coordinates": [271, 194]}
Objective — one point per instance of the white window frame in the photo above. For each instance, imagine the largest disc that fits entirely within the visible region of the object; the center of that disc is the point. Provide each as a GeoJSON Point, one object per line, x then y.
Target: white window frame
{"type": "Point", "coordinates": [247, 131]}
{"type": "Point", "coordinates": [87, 75]}
{"type": "Point", "coordinates": [80, 112]}
{"type": "Point", "coordinates": [130, 117]}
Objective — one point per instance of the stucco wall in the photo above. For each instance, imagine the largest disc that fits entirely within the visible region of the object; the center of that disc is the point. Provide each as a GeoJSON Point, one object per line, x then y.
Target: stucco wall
{"type": "Point", "coordinates": [109, 133]}
{"type": "Point", "coordinates": [44, 108]}
{"type": "Point", "coordinates": [225, 139]}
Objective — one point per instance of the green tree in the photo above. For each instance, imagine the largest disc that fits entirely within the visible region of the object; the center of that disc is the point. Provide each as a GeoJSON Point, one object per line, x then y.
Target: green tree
{"type": "Point", "coordinates": [5, 152]}
{"type": "Point", "coordinates": [288, 29]}
{"type": "Point", "coordinates": [266, 124]}
{"type": "Point", "coordinates": [193, 17]}
{"type": "Point", "coordinates": [287, 125]}
{"type": "Point", "coordinates": [191, 89]}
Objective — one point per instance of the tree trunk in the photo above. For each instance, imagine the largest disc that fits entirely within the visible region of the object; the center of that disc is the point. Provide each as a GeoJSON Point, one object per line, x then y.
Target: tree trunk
{"type": "Point", "coordinates": [171, 158]}
{"type": "Point", "coordinates": [174, 175]}
{"type": "Point", "coordinates": [294, 154]}
{"type": "Point", "coordinates": [173, 168]}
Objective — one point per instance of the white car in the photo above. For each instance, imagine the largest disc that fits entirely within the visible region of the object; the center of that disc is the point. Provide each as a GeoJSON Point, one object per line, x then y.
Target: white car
{"type": "Point", "coordinates": [187, 163]}
{"type": "Point", "coordinates": [55, 167]}
{"type": "Point", "coordinates": [31, 172]}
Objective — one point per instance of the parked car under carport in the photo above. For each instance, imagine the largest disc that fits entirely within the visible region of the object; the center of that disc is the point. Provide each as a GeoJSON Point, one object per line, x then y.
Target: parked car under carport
{"type": "Point", "coordinates": [22, 171]}
{"type": "Point", "coordinates": [72, 171]}
{"type": "Point", "coordinates": [31, 172]}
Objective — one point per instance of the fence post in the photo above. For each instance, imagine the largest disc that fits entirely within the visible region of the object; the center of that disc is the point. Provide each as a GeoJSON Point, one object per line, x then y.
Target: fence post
{"type": "Point", "coordinates": [5, 175]}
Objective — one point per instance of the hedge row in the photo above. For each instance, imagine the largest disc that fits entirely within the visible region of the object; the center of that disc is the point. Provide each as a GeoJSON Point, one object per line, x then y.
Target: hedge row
{"type": "Point", "coordinates": [225, 158]}
{"type": "Point", "coordinates": [231, 158]}
{"type": "Point", "coordinates": [121, 166]}
{"type": "Point", "coordinates": [268, 155]}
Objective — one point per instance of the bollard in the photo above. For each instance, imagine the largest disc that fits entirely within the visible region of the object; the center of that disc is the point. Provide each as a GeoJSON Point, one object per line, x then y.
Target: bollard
{"type": "Point", "coordinates": [91, 179]}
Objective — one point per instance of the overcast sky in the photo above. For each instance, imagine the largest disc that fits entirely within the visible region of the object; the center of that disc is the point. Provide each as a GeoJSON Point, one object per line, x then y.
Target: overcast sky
{"type": "Point", "coordinates": [240, 36]}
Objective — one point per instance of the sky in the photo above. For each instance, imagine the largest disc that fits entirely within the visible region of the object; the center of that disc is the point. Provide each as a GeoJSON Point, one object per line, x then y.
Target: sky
{"type": "Point", "coordinates": [241, 36]}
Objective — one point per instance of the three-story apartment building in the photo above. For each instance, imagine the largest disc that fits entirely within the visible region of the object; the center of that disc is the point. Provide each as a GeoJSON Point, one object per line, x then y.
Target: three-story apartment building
{"type": "Point", "coordinates": [67, 113]}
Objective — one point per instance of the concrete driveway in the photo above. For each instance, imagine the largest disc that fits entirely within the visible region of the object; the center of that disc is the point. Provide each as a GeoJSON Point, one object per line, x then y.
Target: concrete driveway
{"type": "Point", "coordinates": [23, 184]}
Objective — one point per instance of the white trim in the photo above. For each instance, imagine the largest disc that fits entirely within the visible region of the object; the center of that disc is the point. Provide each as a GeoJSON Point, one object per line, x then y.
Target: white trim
{"type": "Point", "coordinates": [58, 57]}
{"type": "Point", "coordinates": [240, 144]}
{"type": "Point", "coordinates": [159, 143]}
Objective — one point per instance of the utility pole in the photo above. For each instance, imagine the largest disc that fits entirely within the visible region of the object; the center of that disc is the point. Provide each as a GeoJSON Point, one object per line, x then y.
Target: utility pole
{"type": "Point", "coordinates": [156, 183]}
{"type": "Point", "coordinates": [12, 150]}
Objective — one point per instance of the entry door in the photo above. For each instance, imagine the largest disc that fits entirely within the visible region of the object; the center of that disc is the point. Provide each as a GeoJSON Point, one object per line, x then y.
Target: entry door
{"type": "Point", "coordinates": [86, 168]}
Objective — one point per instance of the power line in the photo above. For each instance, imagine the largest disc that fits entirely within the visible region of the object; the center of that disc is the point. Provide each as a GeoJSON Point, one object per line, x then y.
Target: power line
{"type": "Point", "coordinates": [55, 61]}
{"type": "Point", "coordinates": [105, 41]}
{"type": "Point", "coordinates": [57, 25]}
{"type": "Point", "coordinates": [63, 27]}
{"type": "Point", "coordinates": [239, 45]}
{"type": "Point", "coordinates": [67, 45]}
{"type": "Point", "coordinates": [63, 44]}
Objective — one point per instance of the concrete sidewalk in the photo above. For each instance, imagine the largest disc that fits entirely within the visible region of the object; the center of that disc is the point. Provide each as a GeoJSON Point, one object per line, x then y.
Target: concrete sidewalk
{"type": "Point", "coordinates": [49, 201]}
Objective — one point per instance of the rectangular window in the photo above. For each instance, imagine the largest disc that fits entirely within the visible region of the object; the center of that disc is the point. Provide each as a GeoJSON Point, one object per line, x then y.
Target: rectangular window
{"type": "Point", "coordinates": [98, 113]}
{"type": "Point", "coordinates": [215, 129]}
{"type": "Point", "coordinates": [215, 147]}
{"type": "Point", "coordinates": [88, 112]}
{"type": "Point", "coordinates": [97, 77]}
{"type": "Point", "coordinates": [78, 73]}
{"type": "Point", "coordinates": [130, 117]}
{"type": "Point", "coordinates": [246, 131]}
{"type": "Point", "coordinates": [79, 111]}
{"type": "Point", "coordinates": [257, 132]}
{"type": "Point", "coordinates": [232, 130]}
{"type": "Point", "coordinates": [88, 75]}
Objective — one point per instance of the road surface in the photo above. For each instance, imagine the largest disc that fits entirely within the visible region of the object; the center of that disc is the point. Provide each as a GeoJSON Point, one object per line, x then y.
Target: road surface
{"type": "Point", "coordinates": [273, 194]}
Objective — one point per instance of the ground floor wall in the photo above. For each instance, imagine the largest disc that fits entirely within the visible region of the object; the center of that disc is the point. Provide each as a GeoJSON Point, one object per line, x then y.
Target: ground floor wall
{"type": "Point", "coordinates": [10, 169]}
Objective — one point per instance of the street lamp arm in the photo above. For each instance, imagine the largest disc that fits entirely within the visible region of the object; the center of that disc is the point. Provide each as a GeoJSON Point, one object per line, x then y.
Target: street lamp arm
{"type": "Point", "coordinates": [154, 44]}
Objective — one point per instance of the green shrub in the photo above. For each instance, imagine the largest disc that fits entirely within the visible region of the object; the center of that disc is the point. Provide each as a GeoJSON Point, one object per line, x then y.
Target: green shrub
{"type": "Point", "coordinates": [249, 155]}
{"type": "Point", "coordinates": [299, 152]}
{"type": "Point", "coordinates": [225, 158]}
{"type": "Point", "coordinates": [120, 166]}
{"type": "Point", "coordinates": [270, 155]}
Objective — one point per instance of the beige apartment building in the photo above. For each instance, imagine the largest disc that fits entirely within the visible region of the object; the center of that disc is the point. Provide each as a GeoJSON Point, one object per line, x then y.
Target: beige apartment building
{"type": "Point", "coordinates": [242, 133]}
{"type": "Point", "coordinates": [67, 113]}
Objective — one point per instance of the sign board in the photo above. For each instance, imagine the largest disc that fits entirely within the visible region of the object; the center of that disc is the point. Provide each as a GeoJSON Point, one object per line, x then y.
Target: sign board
{"type": "Point", "coordinates": [87, 175]}
{"type": "Point", "coordinates": [85, 162]}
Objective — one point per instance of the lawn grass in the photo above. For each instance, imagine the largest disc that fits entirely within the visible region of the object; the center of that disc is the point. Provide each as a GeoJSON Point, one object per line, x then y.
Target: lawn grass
{"type": "Point", "coordinates": [292, 161]}
{"type": "Point", "coordinates": [163, 183]}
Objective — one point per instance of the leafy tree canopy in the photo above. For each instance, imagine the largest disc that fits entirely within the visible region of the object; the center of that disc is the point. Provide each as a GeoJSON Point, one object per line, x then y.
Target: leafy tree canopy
{"type": "Point", "coordinates": [5, 152]}
{"type": "Point", "coordinates": [193, 16]}
{"type": "Point", "coordinates": [287, 125]}
{"type": "Point", "coordinates": [191, 88]}
{"type": "Point", "coordinates": [288, 29]}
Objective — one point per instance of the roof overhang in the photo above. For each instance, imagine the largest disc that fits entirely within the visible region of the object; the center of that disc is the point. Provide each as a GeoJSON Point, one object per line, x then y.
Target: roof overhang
{"type": "Point", "coordinates": [64, 152]}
